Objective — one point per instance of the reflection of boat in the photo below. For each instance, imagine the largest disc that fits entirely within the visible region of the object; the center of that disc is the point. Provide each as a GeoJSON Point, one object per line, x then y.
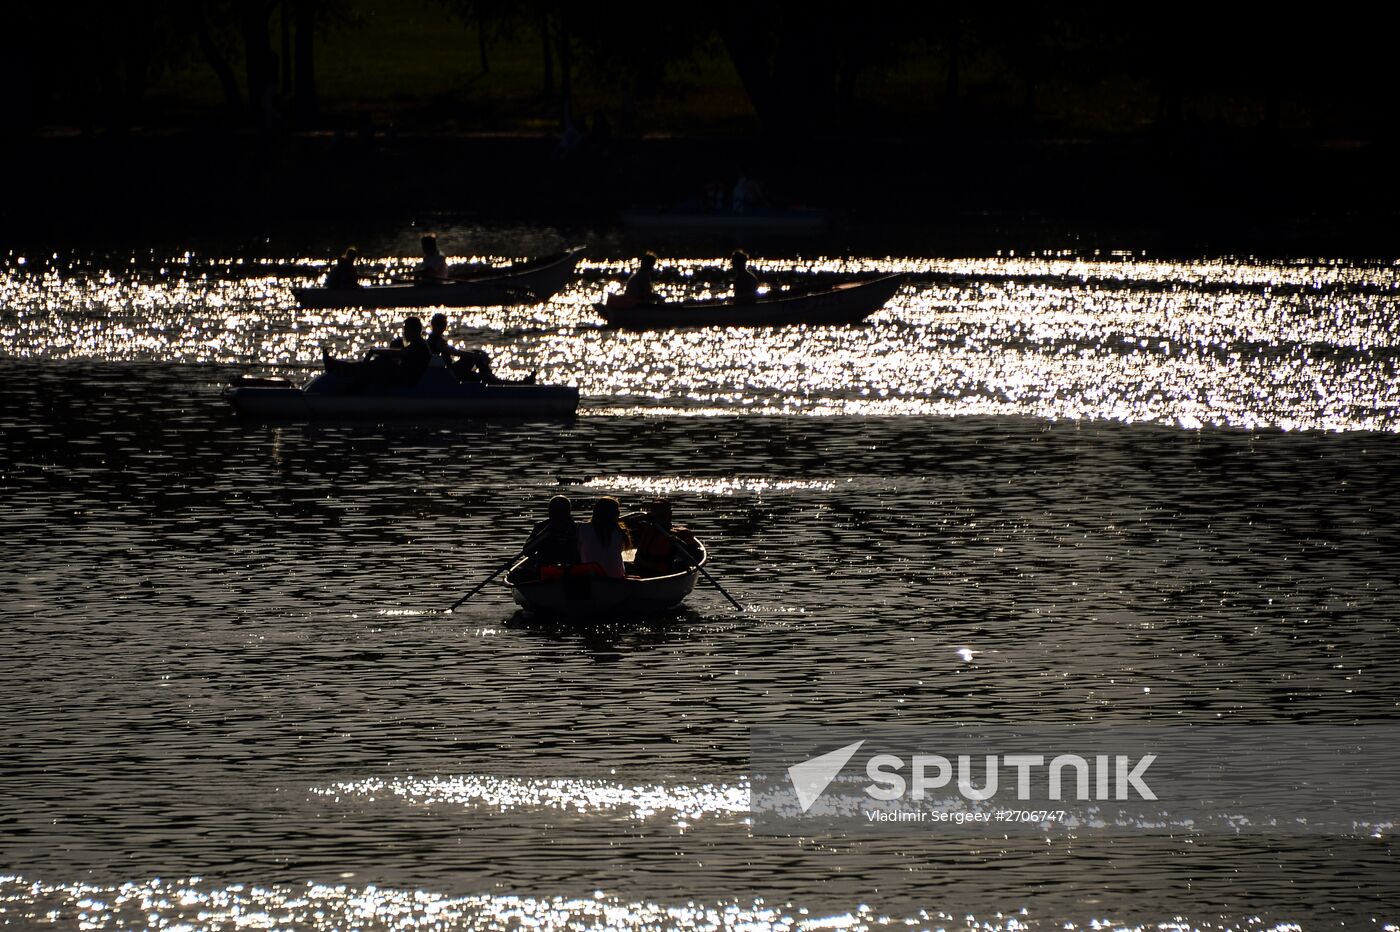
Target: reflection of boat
{"type": "Point", "coordinates": [523, 283]}
{"type": "Point", "coordinates": [847, 303]}
{"type": "Point", "coordinates": [596, 597]}
{"type": "Point", "coordinates": [690, 216]}
{"type": "Point", "coordinates": [437, 394]}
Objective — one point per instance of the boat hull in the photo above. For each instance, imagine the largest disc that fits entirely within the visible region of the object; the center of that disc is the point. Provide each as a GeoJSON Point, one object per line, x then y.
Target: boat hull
{"type": "Point", "coordinates": [525, 283]}
{"type": "Point", "coordinates": [593, 598]}
{"type": "Point", "coordinates": [439, 395]}
{"type": "Point", "coordinates": [845, 304]}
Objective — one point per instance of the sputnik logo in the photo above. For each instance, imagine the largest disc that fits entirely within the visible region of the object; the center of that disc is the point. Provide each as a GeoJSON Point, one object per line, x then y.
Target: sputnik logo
{"type": "Point", "coordinates": [811, 777]}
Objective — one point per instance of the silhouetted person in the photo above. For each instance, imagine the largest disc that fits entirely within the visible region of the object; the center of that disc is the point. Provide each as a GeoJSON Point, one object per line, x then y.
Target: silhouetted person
{"type": "Point", "coordinates": [557, 536]}
{"type": "Point", "coordinates": [640, 287]}
{"type": "Point", "coordinates": [654, 535]}
{"type": "Point", "coordinates": [344, 274]}
{"type": "Point", "coordinates": [402, 364]}
{"type": "Point", "coordinates": [467, 365]}
{"type": "Point", "coordinates": [745, 282]}
{"type": "Point", "coordinates": [433, 268]}
{"type": "Point", "coordinates": [712, 197]}
{"type": "Point", "coordinates": [602, 540]}
{"type": "Point", "coordinates": [748, 193]}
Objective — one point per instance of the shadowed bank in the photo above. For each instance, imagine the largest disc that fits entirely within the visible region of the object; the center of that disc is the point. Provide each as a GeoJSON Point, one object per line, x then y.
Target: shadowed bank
{"type": "Point", "coordinates": [1225, 131]}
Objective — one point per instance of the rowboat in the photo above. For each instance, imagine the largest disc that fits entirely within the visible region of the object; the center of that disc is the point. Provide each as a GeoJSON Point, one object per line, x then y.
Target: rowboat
{"type": "Point", "coordinates": [522, 283]}
{"type": "Point", "coordinates": [594, 597]}
{"type": "Point", "coordinates": [437, 394]}
{"type": "Point", "coordinates": [846, 303]}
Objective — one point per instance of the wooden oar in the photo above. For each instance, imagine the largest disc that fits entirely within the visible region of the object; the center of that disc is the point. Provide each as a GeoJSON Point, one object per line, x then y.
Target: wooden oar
{"type": "Point", "coordinates": [529, 548]}
{"type": "Point", "coordinates": [698, 565]}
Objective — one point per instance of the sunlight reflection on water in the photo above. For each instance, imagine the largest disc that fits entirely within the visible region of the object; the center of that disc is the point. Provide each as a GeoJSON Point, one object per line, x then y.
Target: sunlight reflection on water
{"type": "Point", "coordinates": [1292, 345]}
{"type": "Point", "coordinates": [680, 803]}
{"type": "Point", "coordinates": [194, 904]}
{"type": "Point", "coordinates": [732, 485]}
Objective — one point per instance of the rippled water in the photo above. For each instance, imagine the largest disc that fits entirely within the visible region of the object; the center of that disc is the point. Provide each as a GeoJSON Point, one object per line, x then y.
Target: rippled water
{"type": "Point", "coordinates": [1247, 344]}
{"type": "Point", "coordinates": [225, 654]}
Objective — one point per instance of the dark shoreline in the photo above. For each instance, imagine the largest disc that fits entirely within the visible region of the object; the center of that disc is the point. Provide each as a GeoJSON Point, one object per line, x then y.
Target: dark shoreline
{"type": "Point", "coordinates": [1188, 197]}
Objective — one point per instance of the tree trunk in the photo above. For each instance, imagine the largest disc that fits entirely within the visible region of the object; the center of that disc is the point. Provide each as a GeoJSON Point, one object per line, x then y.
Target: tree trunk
{"type": "Point", "coordinates": [750, 59]}
{"type": "Point", "coordinates": [952, 85]}
{"type": "Point", "coordinates": [136, 76]}
{"type": "Point", "coordinates": [548, 54]}
{"type": "Point", "coordinates": [284, 17]}
{"type": "Point", "coordinates": [20, 72]}
{"type": "Point", "coordinates": [481, 39]}
{"type": "Point", "coordinates": [258, 59]}
{"type": "Point", "coordinates": [305, 71]}
{"type": "Point", "coordinates": [566, 83]}
{"type": "Point", "coordinates": [228, 82]}
{"type": "Point", "coordinates": [1028, 38]}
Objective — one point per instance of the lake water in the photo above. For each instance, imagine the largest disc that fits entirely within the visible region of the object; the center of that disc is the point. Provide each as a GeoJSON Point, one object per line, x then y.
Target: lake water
{"type": "Point", "coordinates": [1047, 489]}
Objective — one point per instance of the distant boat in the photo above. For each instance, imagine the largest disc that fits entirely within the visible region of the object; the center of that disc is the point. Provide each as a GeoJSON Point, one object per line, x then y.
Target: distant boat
{"type": "Point", "coordinates": [593, 597]}
{"type": "Point", "coordinates": [846, 303]}
{"type": "Point", "coordinates": [522, 283]}
{"type": "Point", "coordinates": [689, 216]}
{"type": "Point", "coordinates": [437, 394]}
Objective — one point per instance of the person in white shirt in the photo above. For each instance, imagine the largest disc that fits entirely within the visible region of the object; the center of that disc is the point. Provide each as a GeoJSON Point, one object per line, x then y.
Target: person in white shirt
{"type": "Point", "coordinates": [603, 539]}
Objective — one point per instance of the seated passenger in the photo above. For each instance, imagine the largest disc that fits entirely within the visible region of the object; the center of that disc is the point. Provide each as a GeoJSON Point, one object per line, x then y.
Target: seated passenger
{"type": "Point", "coordinates": [748, 194]}
{"type": "Point", "coordinates": [467, 365]}
{"type": "Point", "coordinates": [555, 539]}
{"type": "Point", "coordinates": [602, 540]}
{"type": "Point", "coordinates": [433, 268]}
{"type": "Point", "coordinates": [639, 288]}
{"type": "Point", "coordinates": [745, 282]}
{"type": "Point", "coordinates": [343, 274]}
{"type": "Point", "coordinates": [401, 364]}
{"type": "Point", "coordinates": [655, 538]}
